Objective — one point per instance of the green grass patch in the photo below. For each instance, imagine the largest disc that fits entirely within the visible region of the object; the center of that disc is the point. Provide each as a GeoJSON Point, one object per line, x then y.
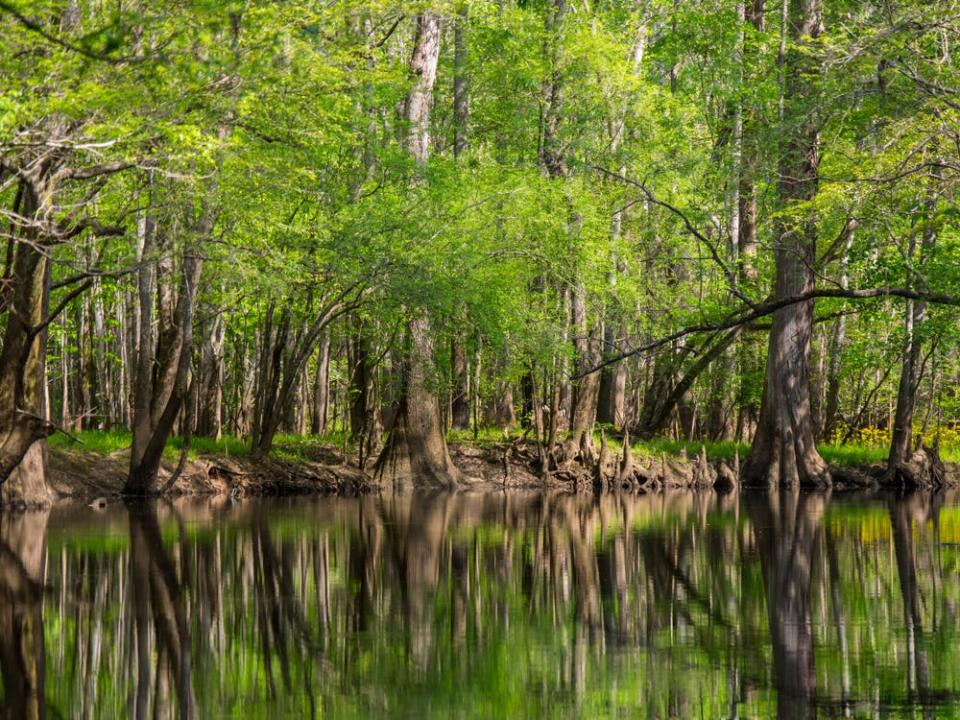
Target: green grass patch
{"type": "Point", "coordinates": [853, 455]}
{"type": "Point", "coordinates": [716, 450]}
{"type": "Point", "coordinates": [107, 442]}
{"type": "Point", "coordinates": [227, 445]}
{"type": "Point", "coordinates": [101, 442]}
{"type": "Point", "coordinates": [294, 448]}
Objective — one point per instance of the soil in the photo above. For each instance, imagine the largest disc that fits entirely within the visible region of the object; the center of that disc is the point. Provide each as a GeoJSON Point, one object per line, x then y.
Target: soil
{"type": "Point", "coordinates": [83, 474]}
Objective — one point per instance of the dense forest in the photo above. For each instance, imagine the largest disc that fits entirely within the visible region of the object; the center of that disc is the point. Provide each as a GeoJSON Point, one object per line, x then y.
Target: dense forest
{"type": "Point", "coordinates": [552, 221]}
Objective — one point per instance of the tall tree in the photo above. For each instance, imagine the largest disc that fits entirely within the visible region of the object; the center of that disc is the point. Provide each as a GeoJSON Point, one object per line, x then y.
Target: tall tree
{"type": "Point", "coordinates": [417, 447]}
{"type": "Point", "coordinates": [784, 449]}
{"type": "Point", "coordinates": [901, 439]}
{"type": "Point", "coordinates": [460, 402]}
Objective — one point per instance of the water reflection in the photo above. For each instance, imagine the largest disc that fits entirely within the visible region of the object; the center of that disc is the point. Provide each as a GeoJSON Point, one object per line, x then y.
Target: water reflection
{"type": "Point", "coordinates": [22, 556]}
{"type": "Point", "coordinates": [484, 605]}
{"type": "Point", "coordinates": [787, 527]}
{"type": "Point", "coordinates": [161, 635]}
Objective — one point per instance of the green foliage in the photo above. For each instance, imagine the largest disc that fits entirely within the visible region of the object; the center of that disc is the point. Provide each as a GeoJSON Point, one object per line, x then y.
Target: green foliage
{"type": "Point", "coordinates": [284, 121]}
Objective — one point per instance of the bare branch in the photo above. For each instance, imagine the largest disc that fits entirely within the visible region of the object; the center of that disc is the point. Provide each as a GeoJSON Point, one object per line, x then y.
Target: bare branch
{"type": "Point", "coordinates": [771, 306]}
{"type": "Point", "coordinates": [691, 228]}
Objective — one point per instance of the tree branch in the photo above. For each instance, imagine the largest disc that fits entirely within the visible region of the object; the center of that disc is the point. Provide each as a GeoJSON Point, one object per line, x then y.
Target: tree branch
{"type": "Point", "coordinates": [691, 228]}
{"type": "Point", "coordinates": [36, 27]}
{"type": "Point", "coordinates": [769, 307]}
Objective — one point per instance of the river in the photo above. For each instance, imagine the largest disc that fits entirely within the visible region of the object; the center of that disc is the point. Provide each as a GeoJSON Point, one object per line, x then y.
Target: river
{"type": "Point", "coordinates": [484, 605]}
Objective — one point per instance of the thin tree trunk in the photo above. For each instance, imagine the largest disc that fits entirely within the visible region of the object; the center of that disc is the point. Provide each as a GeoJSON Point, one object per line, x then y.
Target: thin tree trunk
{"type": "Point", "coordinates": [461, 87]}
{"type": "Point", "coordinates": [460, 402]}
{"type": "Point", "coordinates": [584, 406]}
{"type": "Point", "coordinates": [838, 340]}
{"type": "Point", "coordinates": [210, 415]}
{"type": "Point", "coordinates": [910, 369]}
{"type": "Point", "coordinates": [321, 388]}
{"type": "Point", "coordinates": [159, 398]}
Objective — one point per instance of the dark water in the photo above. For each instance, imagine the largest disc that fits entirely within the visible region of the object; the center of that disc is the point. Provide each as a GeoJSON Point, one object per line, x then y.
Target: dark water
{"type": "Point", "coordinates": [498, 605]}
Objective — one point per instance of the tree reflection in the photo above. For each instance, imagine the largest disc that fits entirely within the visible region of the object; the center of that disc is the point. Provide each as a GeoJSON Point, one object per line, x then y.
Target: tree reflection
{"type": "Point", "coordinates": [787, 524]}
{"type": "Point", "coordinates": [920, 508]}
{"type": "Point", "coordinates": [22, 568]}
{"type": "Point", "coordinates": [436, 605]}
{"type": "Point", "coordinates": [162, 637]}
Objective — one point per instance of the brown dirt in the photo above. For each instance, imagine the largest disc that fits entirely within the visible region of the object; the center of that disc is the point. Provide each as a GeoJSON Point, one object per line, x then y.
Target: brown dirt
{"type": "Point", "coordinates": [84, 474]}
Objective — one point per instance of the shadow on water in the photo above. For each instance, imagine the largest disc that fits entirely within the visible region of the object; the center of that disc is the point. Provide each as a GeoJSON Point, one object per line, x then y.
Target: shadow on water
{"type": "Point", "coordinates": [485, 605]}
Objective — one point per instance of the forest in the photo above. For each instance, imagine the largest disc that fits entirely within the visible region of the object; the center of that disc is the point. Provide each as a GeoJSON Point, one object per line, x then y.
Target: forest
{"type": "Point", "coordinates": [549, 224]}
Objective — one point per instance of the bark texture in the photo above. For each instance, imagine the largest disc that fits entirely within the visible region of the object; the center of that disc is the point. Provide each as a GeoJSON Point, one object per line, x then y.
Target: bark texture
{"type": "Point", "coordinates": [911, 367]}
{"type": "Point", "coordinates": [784, 451]}
{"type": "Point", "coordinates": [416, 449]}
{"type": "Point", "coordinates": [23, 424]}
{"type": "Point", "coordinates": [165, 356]}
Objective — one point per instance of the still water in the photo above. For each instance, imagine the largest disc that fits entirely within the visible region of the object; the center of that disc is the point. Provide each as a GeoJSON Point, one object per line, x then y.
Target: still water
{"type": "Point", "coordinates": [689, 605]}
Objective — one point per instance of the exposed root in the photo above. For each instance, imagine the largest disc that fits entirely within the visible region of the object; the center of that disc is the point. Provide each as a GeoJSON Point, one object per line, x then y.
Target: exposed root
{"type": "Point", "coordinates": [923, 469]}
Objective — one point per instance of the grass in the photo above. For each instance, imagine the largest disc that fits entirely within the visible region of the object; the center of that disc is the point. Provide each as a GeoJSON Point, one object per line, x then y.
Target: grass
{"type": "Point", "coordinates": [108, 442]}
{"type": "Point", "coordinates": [853, 455]}
{"type": "Point", "coordinates": [716, 450]}
{"type": "Point", "coordinates": [100, 442]}
{"type": "Point", "coordinates": [294, 448]}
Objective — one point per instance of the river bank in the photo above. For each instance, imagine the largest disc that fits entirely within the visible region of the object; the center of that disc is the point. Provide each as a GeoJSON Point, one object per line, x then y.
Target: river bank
{"type": "Point", "coordinates": [98, 466]}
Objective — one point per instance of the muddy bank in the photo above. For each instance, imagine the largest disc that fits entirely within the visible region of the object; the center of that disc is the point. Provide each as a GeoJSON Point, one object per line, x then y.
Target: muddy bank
{"type": "Point", "coordinates": [85, 474]}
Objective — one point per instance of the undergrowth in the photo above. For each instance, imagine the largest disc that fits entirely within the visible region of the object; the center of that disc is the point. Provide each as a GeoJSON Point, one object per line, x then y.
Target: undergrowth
{"type": "Point", "coordinates": [295, 448]}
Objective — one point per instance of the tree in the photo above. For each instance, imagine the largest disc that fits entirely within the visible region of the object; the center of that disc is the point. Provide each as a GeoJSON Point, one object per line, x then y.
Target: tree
{"type": "Point", "coordinates": [784, 449]}
{"type": "Point", "coordinates": [417, 446]}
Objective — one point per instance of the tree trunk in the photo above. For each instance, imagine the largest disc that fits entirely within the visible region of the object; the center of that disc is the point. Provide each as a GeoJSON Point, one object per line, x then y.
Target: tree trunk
{"type": "Point", "coordinates": [783, 449]}
{"type": "Point", "coordinates": [499, 410]}
{"type": "Point", "coordinates": [746, 195]}
{"type": "Point", "coordinates": [611, 403]}
{"type": "Point", "coordinates": [321, 389]}
{"type": "Point", "coordinates": [655, 410]}
{"type": "Point", "coordinates": [613, 379]}
{"type": "Point", "coordinates": [665, 394]}
{"type": "Point", "coordinates": [210, 417]}
{"type": "Point", "coordinates": [283, 355]}
{"type": "Point", "coordinates": [164, 356]}
{"type": "Point", "coordinates": [461, 88]}
{"type": "Point", "coordinates": [163, 372]}
{"type": "Point", "coordinates": [163, 384]}
{"type": "Point", "coordinates": [417, 446]}
{"type": "Point", "coordinates": [23, 424]}
{"type": "Point", "coordinates": [360, 382]}
{"type": "Point", "coordinates": [910, 368]}
{"type": "Point", "coordinates": [585, 390]}
{"type": "Point", "coordinates": [460, 402]}
{"type": "Point", "coordinates": [838, 340]}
